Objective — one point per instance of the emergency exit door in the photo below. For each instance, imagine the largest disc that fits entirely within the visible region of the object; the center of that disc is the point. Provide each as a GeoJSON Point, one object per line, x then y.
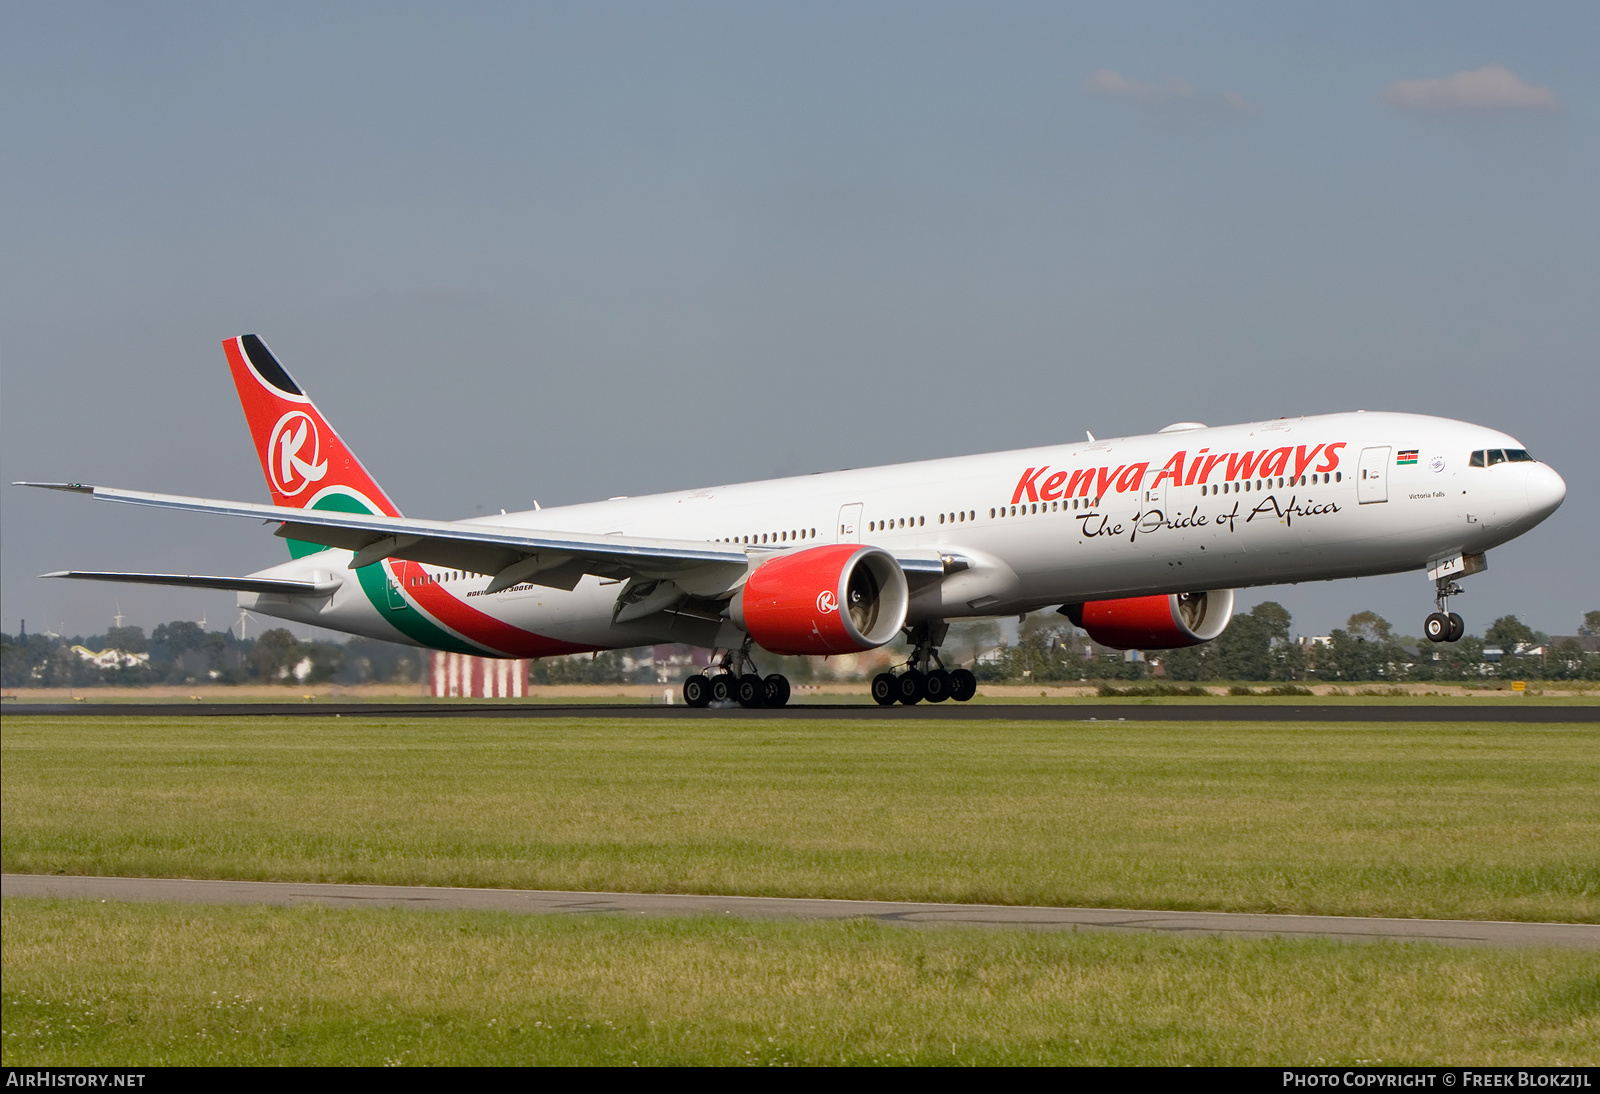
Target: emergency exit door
{"type": "Point", "coordinates": [849, 523]}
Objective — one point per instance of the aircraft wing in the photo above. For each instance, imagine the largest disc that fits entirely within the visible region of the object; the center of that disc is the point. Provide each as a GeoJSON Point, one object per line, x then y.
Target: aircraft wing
{"type": "Point", "coordinates": [512, 555]}
{"type": "Point", "coordinates": [200, 581]}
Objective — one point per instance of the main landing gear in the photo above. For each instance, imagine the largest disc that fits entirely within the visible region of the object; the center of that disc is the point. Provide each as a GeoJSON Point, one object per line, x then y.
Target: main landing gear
{"type": "Point", "coordinates": [1444, 625]}
{"type": "Point", "coordinates": [748, 688]}
{"type": "Point", "coordinates": [921, 679]}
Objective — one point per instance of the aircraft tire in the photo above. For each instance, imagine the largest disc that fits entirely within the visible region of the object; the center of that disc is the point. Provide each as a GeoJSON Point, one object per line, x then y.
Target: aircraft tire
{"type": "Point", "coordinates": [911, 687]}
{"type": "Point", "coordinates": [722, 687]}
{"type": "Point", "coordinates": [750, 691]}
{"type": "Point", "coordinates": [938, 686]}
{"type": "Point", "coordinates": [963, 685]}
{"type": "Point", "coordinates": [1458, 628]}
{"type": "Point", "coordinates": [884, 692]}
{"type": "Point", "coordinates": [775, 691]}
{"type": "Point", "coordinates": [697, 691]}
{"type": "Point", "coordinates": [1437, 627]}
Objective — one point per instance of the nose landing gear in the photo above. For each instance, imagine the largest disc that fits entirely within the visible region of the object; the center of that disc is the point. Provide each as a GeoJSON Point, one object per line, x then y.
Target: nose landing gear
{"type": "Point", "coordinates": [925, 676]}
{"type": "Point", "coordinates": [1444, 625]}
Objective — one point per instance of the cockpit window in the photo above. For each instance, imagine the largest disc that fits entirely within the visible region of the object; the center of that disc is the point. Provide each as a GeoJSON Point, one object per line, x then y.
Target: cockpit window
{"type": "Point", "coordinates": [1490, 457]}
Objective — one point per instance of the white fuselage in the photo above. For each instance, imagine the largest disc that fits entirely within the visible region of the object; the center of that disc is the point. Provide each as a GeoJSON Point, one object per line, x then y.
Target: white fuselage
{"type": "Point", "coordinates": [1297, 499]}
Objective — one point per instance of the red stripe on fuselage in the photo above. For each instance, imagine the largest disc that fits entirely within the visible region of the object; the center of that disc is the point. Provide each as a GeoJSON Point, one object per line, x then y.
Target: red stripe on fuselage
{"type": "Point", "coordinates": [475, 626]}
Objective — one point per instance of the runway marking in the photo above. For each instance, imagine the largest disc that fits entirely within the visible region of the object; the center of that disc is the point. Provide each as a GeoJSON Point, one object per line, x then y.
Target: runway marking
{"type": "Point", "coordinates": [1450, 932]}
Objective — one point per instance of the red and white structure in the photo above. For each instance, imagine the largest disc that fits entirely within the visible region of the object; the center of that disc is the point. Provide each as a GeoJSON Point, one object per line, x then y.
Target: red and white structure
{"type": "Point", "coordinates": [463, 676]}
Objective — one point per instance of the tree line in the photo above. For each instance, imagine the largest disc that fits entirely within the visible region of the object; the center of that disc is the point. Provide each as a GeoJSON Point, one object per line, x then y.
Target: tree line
{"type": "Point", "coordinates": [183, 652]}
{"type": "Point", "coordinates": [1257, 647]}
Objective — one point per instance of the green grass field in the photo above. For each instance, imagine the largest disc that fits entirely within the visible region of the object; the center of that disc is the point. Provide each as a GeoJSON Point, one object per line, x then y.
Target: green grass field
{"type": "Point", "coordinates": [140, 985]}
{"type": "Point", "coordinates": [1494, 821]}
{"type": "Point", "coordinates": [1487, 821]}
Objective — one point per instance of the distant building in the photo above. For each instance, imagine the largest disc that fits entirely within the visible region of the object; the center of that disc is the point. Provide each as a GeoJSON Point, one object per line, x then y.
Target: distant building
{"type": "Point", "coordinates": [460, 675]}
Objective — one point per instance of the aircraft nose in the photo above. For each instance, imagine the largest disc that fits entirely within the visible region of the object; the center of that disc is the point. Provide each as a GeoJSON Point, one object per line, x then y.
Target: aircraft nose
{"type": "Point", "coordinates": [1546, 490]}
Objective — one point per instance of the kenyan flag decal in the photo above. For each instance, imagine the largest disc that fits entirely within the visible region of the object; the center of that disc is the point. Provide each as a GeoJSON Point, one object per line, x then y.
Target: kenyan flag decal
{"type": "Point", "coordinates": [1406, 457]}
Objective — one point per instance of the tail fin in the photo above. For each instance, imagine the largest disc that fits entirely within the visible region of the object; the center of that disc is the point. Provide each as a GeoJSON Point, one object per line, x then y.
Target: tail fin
{"type": "Point", "coordinates": [306, 464]}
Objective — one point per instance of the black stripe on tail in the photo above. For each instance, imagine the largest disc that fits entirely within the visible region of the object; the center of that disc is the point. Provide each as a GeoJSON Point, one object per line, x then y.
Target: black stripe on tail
{"type": "Point", "coordinates": [266, 365]}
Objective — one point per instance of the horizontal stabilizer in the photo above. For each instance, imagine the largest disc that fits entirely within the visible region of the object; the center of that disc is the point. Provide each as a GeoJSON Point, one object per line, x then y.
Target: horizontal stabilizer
{"type": "Point", "coordinates": [200, 581]}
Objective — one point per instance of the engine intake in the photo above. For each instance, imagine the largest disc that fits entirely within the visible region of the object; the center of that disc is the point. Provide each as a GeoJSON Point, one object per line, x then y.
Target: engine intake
{"type": "Point", "coordinates": [1155, 622]}
{"type": "Point", "coordinates": [843, 598]}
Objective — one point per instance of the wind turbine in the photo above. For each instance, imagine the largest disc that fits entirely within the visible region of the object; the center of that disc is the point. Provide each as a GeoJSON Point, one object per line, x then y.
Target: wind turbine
{"type": "Point", "coordinates": [117, 619]}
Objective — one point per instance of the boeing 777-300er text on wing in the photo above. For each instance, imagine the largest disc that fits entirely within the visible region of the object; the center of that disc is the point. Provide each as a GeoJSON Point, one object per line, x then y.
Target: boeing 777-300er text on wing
{"type": "Point", "coordinates": [1138, 540]}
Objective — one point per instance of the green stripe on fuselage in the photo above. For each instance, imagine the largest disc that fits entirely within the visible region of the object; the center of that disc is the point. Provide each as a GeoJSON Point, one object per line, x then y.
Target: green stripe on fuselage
{"type": "Point", "coordinates": [375, 584]}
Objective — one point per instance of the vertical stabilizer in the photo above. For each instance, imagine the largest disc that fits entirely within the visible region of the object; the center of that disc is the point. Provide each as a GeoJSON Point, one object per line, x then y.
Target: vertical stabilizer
{"type": "Point", "coordinates": [306, 463]}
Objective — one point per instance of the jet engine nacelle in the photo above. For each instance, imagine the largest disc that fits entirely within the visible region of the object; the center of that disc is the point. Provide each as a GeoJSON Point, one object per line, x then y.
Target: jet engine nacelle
{"type": "Point", "coordinates": [843, 598]}
{"type": "Point", "coordinates": [1155, 622]}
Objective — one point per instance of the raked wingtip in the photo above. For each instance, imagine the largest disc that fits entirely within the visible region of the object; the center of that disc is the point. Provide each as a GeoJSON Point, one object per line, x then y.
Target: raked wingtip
{"type": "Point", "coordinates": [71, 487]}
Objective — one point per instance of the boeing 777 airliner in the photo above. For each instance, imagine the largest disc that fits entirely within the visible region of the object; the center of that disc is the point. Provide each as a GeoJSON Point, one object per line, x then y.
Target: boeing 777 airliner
{"type": "Point", "coordinates": [1138, 540]}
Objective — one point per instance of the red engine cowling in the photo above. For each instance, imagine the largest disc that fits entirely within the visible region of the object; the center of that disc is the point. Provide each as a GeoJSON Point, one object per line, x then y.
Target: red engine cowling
{"type": "Point", "coordinates": [1155, 622]}
{"type": "Point", "coordinates": [843, 598]}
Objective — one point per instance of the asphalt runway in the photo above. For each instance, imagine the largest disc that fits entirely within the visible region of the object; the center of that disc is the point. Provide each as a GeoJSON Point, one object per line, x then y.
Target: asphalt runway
{"type": "Point", "coordinates": [1576, 936]}
{"type": "Point", "coordinates": [1512, 710]}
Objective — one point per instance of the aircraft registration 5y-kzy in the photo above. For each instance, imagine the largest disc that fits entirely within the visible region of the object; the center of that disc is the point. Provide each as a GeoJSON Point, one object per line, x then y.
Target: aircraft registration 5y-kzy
{"type": "Point", "coordinates": [1138, 540]}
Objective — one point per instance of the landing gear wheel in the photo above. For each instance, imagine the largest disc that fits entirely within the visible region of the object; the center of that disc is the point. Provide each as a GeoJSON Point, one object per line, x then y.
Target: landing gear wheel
{"type": "Point", "coordinates": [1437, 627]}
{"type": "Point", "coordinates": [1458, 627]}
{"type": "Point", "coordinates": [775, 690]}
{"type": "Point", "coordinates": [723, 687]}
{"type": "Point", "coordinates": [883, 689]}
{"type": "Point", "coordinates": [938, 686]}
{"type": "Point", "coordinates": [697, 691]}
{"type": "Point", "coordinates": [911, 687]}
{"type": "Point", "coordinates": [963, 685]}
{"type": "Point", "coordinates": [750, 691]}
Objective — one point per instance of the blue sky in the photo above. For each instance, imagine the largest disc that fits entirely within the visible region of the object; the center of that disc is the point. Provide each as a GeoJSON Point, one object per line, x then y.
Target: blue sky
{"type": "Point", "coordinates": [568, 251]}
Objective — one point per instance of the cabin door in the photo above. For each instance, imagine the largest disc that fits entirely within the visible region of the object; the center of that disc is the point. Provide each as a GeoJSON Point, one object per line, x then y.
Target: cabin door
{"type": "Point", "coordinates": [1373, 483]}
